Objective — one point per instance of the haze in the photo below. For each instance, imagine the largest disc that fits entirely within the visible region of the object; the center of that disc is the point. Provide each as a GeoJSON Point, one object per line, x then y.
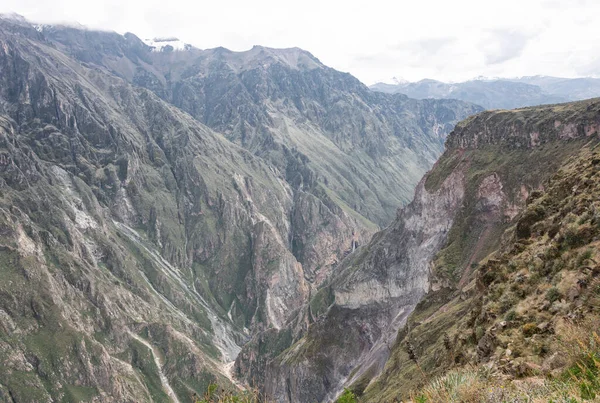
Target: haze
{"type": "Point", "coordinates": [375, 40]}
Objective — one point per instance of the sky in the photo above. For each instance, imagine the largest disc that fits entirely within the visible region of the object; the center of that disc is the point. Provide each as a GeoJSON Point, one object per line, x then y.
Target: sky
{"type": "Point", "coordinates": [375, 40]}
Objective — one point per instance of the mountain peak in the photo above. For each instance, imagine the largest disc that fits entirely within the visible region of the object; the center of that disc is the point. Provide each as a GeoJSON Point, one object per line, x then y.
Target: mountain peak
{"type": "Point", "coordinates": [13, 17]}
{"type": "Point", "coordinates": [262, 56]}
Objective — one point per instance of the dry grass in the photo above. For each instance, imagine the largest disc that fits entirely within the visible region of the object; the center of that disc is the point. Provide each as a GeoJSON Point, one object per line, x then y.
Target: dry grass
{"type": "Point", "coordinates": [214, 395]}
{"type": "Point", "coordinates": [578, 383]}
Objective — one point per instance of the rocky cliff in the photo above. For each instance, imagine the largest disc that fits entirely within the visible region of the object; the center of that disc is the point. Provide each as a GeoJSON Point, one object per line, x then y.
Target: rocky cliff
{"type": "Point", "coordinates": [529, 172]}
{"type": "Point", "coordinates": [114, 204]}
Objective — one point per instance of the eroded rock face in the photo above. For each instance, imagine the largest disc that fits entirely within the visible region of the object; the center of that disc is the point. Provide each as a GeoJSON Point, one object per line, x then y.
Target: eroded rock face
{"type": "Point", "coordinates": [374, 292]}
{"type": "Point", "coordinates": [519, 168]}
{"type": "Point", "coordinates": [127, 236]}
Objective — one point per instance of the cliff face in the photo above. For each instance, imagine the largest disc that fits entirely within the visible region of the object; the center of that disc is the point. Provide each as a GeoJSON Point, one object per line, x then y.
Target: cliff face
{"type": "Point", "coordinates": [114, 205]}
{"type": "Point", "coordinates": [374, 292]}
{"type": "Point", "coordinates": [529, 173]}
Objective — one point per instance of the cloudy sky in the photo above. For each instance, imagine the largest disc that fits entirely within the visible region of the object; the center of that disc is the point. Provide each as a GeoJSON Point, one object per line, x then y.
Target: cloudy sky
{"type": "Point", "coordinates": [375, 40]}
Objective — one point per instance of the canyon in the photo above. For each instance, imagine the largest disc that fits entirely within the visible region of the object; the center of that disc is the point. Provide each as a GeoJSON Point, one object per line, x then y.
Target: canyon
{"type": "Point", "coordinates": [173, 218]}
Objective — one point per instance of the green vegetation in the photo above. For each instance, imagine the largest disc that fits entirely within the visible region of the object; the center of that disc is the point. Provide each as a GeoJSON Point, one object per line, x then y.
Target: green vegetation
{"type": "Point", "coordinates": [579, 383]}
{"type": "Point", "coordinates": [77, 393]}
{"type": "Point", "coordinates": [553, 294]}
{"type": "Point", "coordinates": [143, 362]}
{"type": "Point", "coordinates": [347, 397]}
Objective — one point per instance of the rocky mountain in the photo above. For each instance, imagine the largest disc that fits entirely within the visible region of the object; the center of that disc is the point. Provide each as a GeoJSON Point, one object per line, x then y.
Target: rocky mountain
{"type": "Point", "coordinates": [439, 273]}
{"type": "Point", "coordinates": [310, 121]}
{"type": "Point", "coordinates": [160, 209]}
{"type": "Point", "coordinates": [500, 93]}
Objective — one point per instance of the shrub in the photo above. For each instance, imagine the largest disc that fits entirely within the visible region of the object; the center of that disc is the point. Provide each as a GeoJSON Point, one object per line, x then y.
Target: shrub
{"type": "Point", "coordinates": [575, 235]}
{"type": "Point", "coordinates": [553, 294]}
{"type": "Point", "coordinates": [421, 399]}
{"type": "Point", "coordinates": [212, 395]}
{"type": "Point", "coordinates": [465, 386]}
{"type": "Point", "coordinates": [583, 256]}
{"type": "Point", "coordinates": [529, 329]}
{"type": "Point", "coordinates": [507, 301]}
{"type": "Point", "coordinates": [511, 315]}
{"type": "Point", "coordinates": [347, 397]}
{"type": "Point", "coordinates": [585, 373]}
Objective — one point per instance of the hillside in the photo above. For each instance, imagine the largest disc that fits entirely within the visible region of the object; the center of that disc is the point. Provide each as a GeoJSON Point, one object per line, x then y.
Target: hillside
{"type": "Point", "coordinates": [516, 278]}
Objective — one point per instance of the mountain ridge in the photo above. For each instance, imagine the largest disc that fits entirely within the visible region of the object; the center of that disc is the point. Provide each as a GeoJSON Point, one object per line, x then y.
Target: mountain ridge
{"type": "Point", "coordinates": [501, 93]}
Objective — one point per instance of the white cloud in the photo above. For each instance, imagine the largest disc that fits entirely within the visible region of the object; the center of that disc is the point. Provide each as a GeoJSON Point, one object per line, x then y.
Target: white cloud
{"type": "Point", "coordinates": [500, 46]}
{"type": "Point", "coordinates": [375, 40]}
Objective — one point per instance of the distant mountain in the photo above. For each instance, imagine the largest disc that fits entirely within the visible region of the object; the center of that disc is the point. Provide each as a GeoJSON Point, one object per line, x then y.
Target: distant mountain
{"type": "Point", "coordinates": [571, 88]}
{"type": "Point", "coordinates": [284, 105]}
{"type": "Point", "coordinates": [500, 93]}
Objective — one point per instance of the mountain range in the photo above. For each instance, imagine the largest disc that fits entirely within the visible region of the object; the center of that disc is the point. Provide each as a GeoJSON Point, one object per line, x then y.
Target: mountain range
{"type": "Point", "coordinates": [500, 93]}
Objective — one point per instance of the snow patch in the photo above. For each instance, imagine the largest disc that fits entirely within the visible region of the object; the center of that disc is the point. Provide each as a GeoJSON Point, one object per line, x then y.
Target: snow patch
{"type": "Point", "coordinates": [167, 44]}
{"type": "Point", "coordinates": [13, 17]}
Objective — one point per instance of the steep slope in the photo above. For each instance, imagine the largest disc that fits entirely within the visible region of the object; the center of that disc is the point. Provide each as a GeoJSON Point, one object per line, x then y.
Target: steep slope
{"type": "Point", "coordinates": [324, 128]}
{"type": "Point", "coordinates": [509, 277]}
{"type": "Point", "coordinates": [493, 162]}
{"type": "Point", "coordinates": [500, 93]}
{"type": "Point", "coordinates": [128, 236]}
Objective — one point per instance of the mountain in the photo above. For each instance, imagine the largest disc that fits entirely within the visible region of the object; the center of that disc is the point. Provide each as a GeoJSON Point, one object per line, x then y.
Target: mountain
{"type": "Point", "coordinates": [571, 88]}
{"type": "Point", "coordinates": [161, 207]}
{"type": "Point", "coordinates": [424, 281]}
{"type": "Point", "coordinates": [368, 149]}
{"type": "Point", "coordinates": [500, 93]}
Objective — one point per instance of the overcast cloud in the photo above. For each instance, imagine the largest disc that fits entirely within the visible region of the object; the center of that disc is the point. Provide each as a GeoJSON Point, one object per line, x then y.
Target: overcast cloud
{"type": "Point", "coordinates": [374, 40]}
